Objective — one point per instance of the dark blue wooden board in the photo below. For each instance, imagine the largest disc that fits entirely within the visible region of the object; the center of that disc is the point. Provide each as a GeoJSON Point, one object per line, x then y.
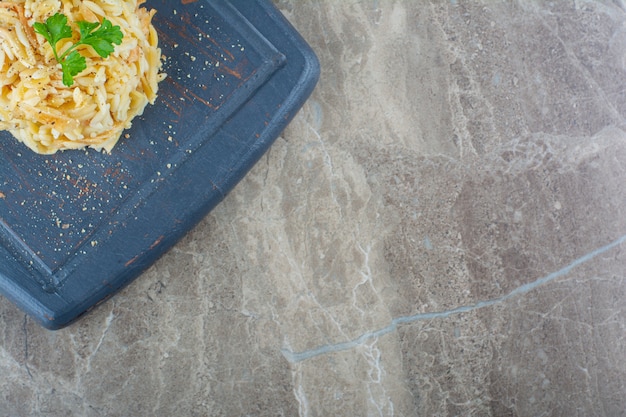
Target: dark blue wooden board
{"type": "Point", "coordinates": [77, 226]}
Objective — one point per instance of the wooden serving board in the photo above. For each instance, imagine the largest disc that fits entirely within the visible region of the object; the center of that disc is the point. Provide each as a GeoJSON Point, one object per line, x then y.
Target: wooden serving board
{"type": "Point", "coordinates": [77, 226]}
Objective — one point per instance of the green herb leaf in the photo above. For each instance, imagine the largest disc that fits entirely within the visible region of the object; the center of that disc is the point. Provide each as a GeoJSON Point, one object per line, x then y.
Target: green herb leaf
{"type": "Point", "coordinates": [85, 28]}
{"type": "Point", "coordinates": [72, 65]}
{"type": "Point", "coordinates": [100, 36]}
{"type": "Point", "coordinates": [54, 29]}
{"type": "Point", "coordinates": [102, 39]}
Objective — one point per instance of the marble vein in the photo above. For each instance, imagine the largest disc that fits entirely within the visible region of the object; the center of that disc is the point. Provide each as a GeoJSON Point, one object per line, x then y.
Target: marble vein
{"type": "Point", "coordinates": [296, 357]}
{"type": "Point", "coordinates": [25, 329]}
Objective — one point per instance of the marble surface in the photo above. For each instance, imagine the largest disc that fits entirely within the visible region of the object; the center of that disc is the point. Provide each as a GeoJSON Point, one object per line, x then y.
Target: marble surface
{"type": "Point", "coordinates": [441, 231]}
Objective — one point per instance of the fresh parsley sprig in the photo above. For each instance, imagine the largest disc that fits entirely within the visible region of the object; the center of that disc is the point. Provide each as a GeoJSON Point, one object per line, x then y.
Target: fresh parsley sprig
{"type": "Point", "coordinates": [100, 36]}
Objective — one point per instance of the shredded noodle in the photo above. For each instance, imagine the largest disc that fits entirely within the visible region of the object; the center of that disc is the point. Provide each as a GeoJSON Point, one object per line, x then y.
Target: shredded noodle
{"type": "Point", "coordinates": [35, 105]}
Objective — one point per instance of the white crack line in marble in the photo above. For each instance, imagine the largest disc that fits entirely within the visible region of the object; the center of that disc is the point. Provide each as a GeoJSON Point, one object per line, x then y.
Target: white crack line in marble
{"type": "Point", "coordinates": [296, 357]}
{"type": "Point", "coordinates": [107, 326]}
{"type": "Point", "coordinates": [376, 389]}
{"type": "Point", "coordinates": [300, 394]}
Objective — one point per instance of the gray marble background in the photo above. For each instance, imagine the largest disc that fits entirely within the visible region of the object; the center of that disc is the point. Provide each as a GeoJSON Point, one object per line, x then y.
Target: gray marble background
{"type": "Point", "coordinates": [439, 232]}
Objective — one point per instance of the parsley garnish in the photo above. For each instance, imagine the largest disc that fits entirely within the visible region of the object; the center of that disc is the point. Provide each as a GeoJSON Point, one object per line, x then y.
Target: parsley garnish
{"type": "Point", "coordinates": [100, 36]}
